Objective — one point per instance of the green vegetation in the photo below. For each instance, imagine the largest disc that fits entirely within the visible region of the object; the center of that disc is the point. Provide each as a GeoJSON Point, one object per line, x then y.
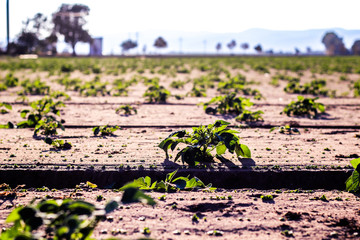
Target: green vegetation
{"type": "Point", "coordinates": [202, 141]}
{"type": "Point", "coordinates": [315, 87]}
{"type": "Point", "coordinates": [105, 130]}
{"type": "Point", "coordinates": [43, 116]}
{"type": "Point", "coordinates": [249, 116]}
{"type": "Point", "coordinates": [306, 107]}
{"type": "Point", "coordinates": [227, 104]}
{"type": "Point", "coordinates": [353, 182]}
{"type": "Point", "coordinates": [58, 143]}
{"type": "Point", "coordinates": [286, 130]}
{"type": "Point", "coordinates": [156, 94]}
{"type": "Point", "coordinates": [5, 107]}
{"type": "Point", "coordinates": [357, 88]}
{"type": "Point", "coordinates": [126, 110]}
{"type": "Point", "coordinates": [170, 184]}
{"type": "Point", "coordinates": [64, 219]}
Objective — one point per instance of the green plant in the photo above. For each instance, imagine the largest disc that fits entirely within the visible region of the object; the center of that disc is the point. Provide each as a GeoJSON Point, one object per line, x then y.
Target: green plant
{"type": "Point", "coordinates": [156, 94]}
{"type": "Point", "coordinates": [197, 92]}
{"type": "Point", "coordinates": [177, 84]}
{"type": "Point", "coordinates": [286, 130]}
{"type": "Point", "coordinates": [169, 184]}
{"type": "Point", "coordinates": [105, 130]}
{"type": "Point", "coordinates": [202, 141]}
{"type": "Point", "coordinates": [353, 182]}
{"type": "Point", "coordinates": [4, 107]}
{"type": "Point", "coordinates": [48, 126]}
{"type": "Point", "coordinates": [36, 87]}
{"type": "Point", "coordinates": [64, 219]}
{"type": "Point", "coordinates": [10, 81]}
{"type": "Point", "coordinates": [249, 116]}
{"type": "Point", "coordinates": [58, 143]}
{"type": "Point", "coordinates": [267, 197]}
{"type": "Point", "coordinates": [45, 109]}
{"type": "Point", "coordinates": [304, 107]}
{"type": "Point", "coordinates": [315, 87]}
{"type": "Point", "coordinates": [357, 88]}
{"type": "Point", "coordinates": [126, 109]}
{"type": "Point", "coordinates": [227, 104]}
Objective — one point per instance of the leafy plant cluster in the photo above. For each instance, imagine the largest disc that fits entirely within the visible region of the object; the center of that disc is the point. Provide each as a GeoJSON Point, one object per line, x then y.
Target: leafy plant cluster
{"type": "Point", "coordinates": [170, 184]}
{"type": "Point", "coordinates": [315, 87]}
{"type": "Point", "coordinates": [126, 110]}
{"type": "Point", "coordinates": [65, 219]}
{"type": "Point", "coordinates": [231, 104]}
{"type": "Point", "coordinates": [8, 82]}
{"type": "Point", "coordinates": [156, 94]}
{"type": "Point", "coordinates": [58, 143]}
{"type": "Point", "coordinates": [42, 116]}
{"type": "Point", "coordinates": [238, 84]}
{"type": "Point", "coordinates": [200, 143]}
{"type": "Point", "coordinates": [105, 130]}
{"type": "Point", "coordinates": [306, 107]}
{"type": "Point", "coordinates": [35, 87]}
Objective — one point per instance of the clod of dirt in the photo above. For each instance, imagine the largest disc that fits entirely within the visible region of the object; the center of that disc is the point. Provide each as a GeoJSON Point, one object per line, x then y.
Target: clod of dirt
{"type": "Point", "coordinates": [292, 216]}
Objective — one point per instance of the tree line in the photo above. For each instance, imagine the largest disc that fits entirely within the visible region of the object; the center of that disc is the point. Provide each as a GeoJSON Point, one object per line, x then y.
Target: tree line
{"type": "Point", "coordinates": [41, 34]}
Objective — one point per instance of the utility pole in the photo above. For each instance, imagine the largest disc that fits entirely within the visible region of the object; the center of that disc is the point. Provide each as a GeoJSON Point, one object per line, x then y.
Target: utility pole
{"type": "Point", "coordinates": [137, 43]}
{"type": "Point", "coordinates": [7, 26]}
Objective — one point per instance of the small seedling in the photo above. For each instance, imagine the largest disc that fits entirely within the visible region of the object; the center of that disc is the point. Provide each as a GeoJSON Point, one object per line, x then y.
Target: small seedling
{"type": "Point", "coordinates": [105, 130]}
{"type": "Point", "coordinates": [58, 143]}
{"type": "Point", "coordinates": [286, 130]}
{"type": "Point", "coordinates": [169, 184]}
{"type": "Point", "coordinates": [249, 116]}
{"type": "Point", "coordinates": [126, 110]}
{"type": "Point", "coordinates": [306, 107]}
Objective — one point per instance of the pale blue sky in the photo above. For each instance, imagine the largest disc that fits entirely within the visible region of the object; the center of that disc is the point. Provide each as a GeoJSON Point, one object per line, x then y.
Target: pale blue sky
{"type": "Point", "coordinates": [124, 18]}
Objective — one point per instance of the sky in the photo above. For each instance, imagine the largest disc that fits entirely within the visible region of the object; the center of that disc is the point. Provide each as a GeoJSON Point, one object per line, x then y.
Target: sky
{"type": "Point", "coordinates": [123, 19]}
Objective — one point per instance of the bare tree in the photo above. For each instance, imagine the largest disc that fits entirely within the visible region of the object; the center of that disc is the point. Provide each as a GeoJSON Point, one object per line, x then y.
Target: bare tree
{"type": "Point", "coordinates": [334, 45]}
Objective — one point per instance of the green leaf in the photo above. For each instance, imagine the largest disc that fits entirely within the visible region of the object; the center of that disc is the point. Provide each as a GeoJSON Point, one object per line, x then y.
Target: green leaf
{"type": "Point", "coordinates": [220, 149]}
{"type": "Point", "coordinates": [24, 112]}
{"type": "Point", "coordinates": [96, 130]}
{"type": "Point", "coordinates": [219, 123]}
{"type": "Point", "coordinates": [170, 176]}
{"type": "Point", "coordinates": [147, 181]}
{"type": "Point", "coordinates": [111, 206]}
{"type": "Point", "coordinates": [243, 150]}
{"type": "Point", "coordinates": [352, 183]}
{"type": "Point", "coordinates": [132, 195]}
{"type": "Point", "coordinates": [180, 183]}
{"type": "Point", "coordinates": [230, 141]}
{"type": "Point", "coordinates": [8, 106]}
{"type": "Point", "coordinates": [14, 215]}
{"type": "Point", "coordinates": [355, 162]}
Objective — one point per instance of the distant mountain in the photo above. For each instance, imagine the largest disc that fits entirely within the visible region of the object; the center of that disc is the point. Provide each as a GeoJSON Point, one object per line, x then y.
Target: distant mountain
{"type": "Point", "coordinates": [200, 42]}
